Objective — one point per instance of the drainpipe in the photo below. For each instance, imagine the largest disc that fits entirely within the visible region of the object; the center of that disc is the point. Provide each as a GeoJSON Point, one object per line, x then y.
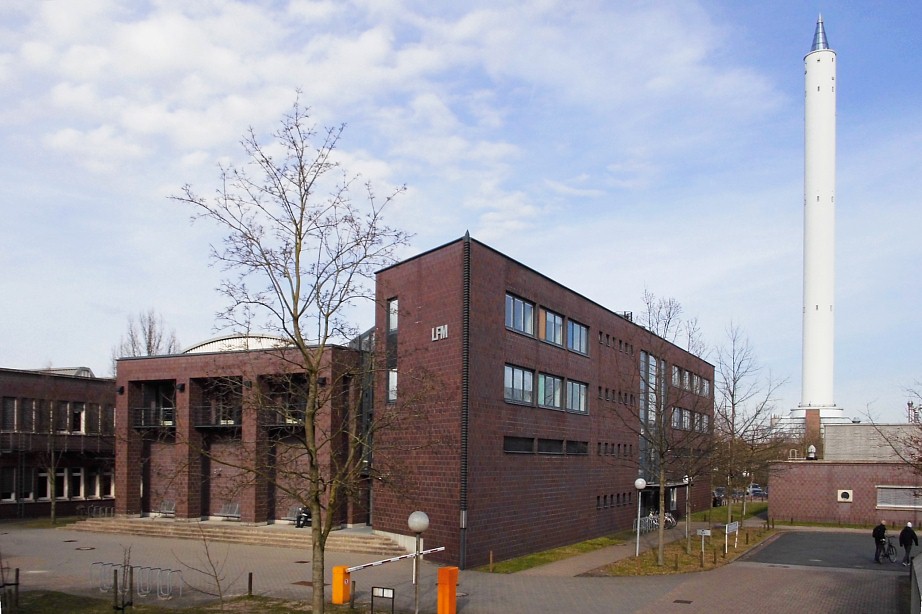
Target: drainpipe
{"type": "Point", "coordinates": [465, 391]}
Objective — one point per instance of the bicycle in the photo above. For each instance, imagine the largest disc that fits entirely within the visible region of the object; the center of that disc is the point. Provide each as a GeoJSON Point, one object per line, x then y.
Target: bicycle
{"type": "Point", "coordinates": [669, 520]}
{"type": "Point", "coordinates": [890, 550]}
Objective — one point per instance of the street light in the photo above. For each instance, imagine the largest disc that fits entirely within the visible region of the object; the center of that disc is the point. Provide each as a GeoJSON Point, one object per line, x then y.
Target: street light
{"type": "Point", "coordinates": [639, 484]}
{"type": "Point", "coordinates": [687, 481]}
{"type": "Point", "coordinates": [418, 523]}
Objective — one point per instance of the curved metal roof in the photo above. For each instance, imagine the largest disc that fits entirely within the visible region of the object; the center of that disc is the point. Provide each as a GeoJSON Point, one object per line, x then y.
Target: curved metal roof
{"type": "Point", "coordinates": [237, 343]}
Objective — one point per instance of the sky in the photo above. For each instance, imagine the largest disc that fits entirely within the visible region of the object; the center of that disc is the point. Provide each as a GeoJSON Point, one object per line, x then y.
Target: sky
{"type": "Point", "coordinates": [616, 147]}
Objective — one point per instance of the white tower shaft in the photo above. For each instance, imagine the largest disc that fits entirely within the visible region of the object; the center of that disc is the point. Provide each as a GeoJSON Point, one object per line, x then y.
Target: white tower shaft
{"type": "Point", "coordinates": [819, 225]}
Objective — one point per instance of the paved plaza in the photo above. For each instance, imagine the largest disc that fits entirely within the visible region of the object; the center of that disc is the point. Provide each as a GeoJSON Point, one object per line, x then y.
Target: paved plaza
{"type": "Point", "coordinates": [63, 560]}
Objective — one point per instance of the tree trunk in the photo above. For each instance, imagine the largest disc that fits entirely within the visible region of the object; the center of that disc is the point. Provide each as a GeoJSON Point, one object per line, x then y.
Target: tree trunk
{"type": "Point", "coordinates": [317, 567]}
{"type": "Point", "coordinates": [661, 529]}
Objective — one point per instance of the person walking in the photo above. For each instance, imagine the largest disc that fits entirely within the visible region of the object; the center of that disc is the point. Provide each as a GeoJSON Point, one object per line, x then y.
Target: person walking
{"type": "Point", "coordinates": [880, 540]}
{"type": "Point", "coordinates": [907, 539]}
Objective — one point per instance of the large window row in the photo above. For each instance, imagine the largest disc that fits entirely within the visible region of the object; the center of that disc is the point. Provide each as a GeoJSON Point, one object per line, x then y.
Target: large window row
{"type": "Point", "coordinates": [552, 327]}
{"type": "Point", "coordinates": [692, 382]}
{"type": "Point", "coordinates": [688, 420]}
{"type": "Point", "coordinates": [38, 484]}
{"type": "Point", "coordinates": [532, 445]}
{"type": "Point", "coordinates": [554, 392]}
{"type": "Point", "coordinates": [44, 416]}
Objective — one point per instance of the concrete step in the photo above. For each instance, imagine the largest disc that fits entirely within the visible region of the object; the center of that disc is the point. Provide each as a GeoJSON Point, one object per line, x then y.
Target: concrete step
{"type": "Point", "coordinates": [280, 536]}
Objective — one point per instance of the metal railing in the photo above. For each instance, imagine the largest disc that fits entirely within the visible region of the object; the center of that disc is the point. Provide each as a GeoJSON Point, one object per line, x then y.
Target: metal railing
{"type": "Point", "coordinates": [153, 417]}
{"type": "Point", "coordinates": [208, 416]}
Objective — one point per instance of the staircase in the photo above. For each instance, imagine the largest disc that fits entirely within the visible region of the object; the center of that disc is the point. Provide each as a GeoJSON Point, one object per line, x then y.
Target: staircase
{"type": "Point", "coordinates": [360, 541]}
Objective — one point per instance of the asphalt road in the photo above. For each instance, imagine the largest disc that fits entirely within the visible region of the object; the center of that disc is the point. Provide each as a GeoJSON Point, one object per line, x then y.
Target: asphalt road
{"type": "Point", "coordinates": [825, 549]}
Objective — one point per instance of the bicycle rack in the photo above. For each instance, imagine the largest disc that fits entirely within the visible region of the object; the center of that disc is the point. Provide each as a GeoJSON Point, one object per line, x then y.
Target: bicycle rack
{"type": "Point", "coordinates": [167, 580]}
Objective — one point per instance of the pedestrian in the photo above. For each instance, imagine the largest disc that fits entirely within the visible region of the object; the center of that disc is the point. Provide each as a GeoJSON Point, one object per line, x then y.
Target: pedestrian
{"type": "Point", "coordinates": [907, 539]}
{"type": "Point", "coordinates": [304, 518]}
{"type": "Point", "coordinates": [880, 540]}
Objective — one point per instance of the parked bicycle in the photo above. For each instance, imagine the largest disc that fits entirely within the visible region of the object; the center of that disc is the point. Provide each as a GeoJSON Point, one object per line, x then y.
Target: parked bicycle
{"type": "Point", "coordinates": [668, 519]}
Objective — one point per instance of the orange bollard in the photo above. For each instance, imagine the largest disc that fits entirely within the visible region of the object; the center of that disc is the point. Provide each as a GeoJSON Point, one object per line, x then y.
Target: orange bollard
{"type": "Point", "coordinates": [342, 585]}
{"type": "Point", "coordinates": [448, 590]}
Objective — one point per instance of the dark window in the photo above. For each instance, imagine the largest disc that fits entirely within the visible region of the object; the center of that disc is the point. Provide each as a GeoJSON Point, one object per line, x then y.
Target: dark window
{"type": "Point", "coordinates": [550, 446]}
{"type": "Point", "coordinates": [580, 448]}
{"type": "Point", "coordinates": [8, 416]}
{"type": "Point", "coordinates": [8, 483]}
{"type": "Point", "coordinates": [519, 445]}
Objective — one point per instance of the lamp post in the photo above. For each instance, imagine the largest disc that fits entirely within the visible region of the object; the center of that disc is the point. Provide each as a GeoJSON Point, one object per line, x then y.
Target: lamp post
{"type": "Point", "coordinates": [687, 481]}
{"type": "Point", "coordinates": [639, 484]}
{"type": "Point", "coordinates": [418, 523]}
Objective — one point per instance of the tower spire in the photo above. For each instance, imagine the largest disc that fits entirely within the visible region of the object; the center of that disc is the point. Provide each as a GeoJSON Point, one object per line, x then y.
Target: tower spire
{"type": "Point", "coordinates": [819, 37]}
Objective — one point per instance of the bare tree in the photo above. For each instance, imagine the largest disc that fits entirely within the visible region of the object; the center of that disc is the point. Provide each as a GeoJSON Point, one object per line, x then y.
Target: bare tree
{"type": "Point", "coordinates": [147, 335]}
{"type": "Point", "coordinates": [672, 418]}
{"type": "Point", "coordinates": [745, 402]}
{"type": "Point", "coordinates": [300, 253]}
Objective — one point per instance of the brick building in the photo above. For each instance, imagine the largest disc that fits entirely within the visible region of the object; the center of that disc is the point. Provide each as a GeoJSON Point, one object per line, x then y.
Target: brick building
{"type": "Point", "coordinates": [525, 397]}
{"type": "Point", "coordinates": [56, 442]}
{"type": "Point", "coordinates": [860, 478]}
{"type": "Point", "coordinates": [215, 429]}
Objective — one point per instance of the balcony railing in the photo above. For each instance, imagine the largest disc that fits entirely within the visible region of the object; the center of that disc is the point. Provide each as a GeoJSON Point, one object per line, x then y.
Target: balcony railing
{"type": "Point", "coordinates": [154, 417]}
{"type": "Point", "coordinates": [289, 415]}
{"type": "Point", "coordinates": [216, 417]}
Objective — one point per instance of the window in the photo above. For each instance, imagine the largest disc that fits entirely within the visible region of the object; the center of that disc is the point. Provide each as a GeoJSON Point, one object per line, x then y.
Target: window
{"type": "Point", "coordinates": [520, 315]}
{"type": "Point", "coordinates": [550, 326]}
{"type": "Point", "coordinates": [77, 411]}
{"type": "Point", "coordinates": [677, 419]}
{"type": "Point", "coordinates": [549, 390]}
{"type": "Point", "coordinates": [41, 485]}
{"type": "Point", "coordinates": [75, 484]}
{"type": "Point", "coordinates": [577, 337]}
{"type": "Point", "coordinates": [577, 397]}
{"type": "Point", "coordinates": [106, 484]}
{"type": "Point", "coordinates": [577, 448]}
{"type": "Point", "coordinates": [108, 420]}
{"type": "Point", "coordinates": [61, 417]}
{"type": "Point", "coordinates": [91, 487]}
{"type": "Point", "coordinates": [60, 479]}
{"type": "Point", "coordinates": [26, 415]}
{"type": "Point", "coordinates": [392, 313]}
{"type": "Point", "coordinates": [8, 483]}
{"type": "Point", "coordinates": [550, 446]}
{"type": "Point", "coordinates": [392, 385]}
{"type": "Point", "coordinates": [895, 496]}
{"type": "Point", "coordinates": [26, 483]}
{"type": "Point", "coordinates": [519, 445]}
{"type": "Point", "coordinates": [8, 416]}
{"type": "Point", "coordinates": [518, 385]}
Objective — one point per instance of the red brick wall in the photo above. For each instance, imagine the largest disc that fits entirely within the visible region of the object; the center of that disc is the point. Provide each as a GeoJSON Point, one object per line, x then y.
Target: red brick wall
{"type": "Point", "coordinates": [25, 449]}
{"type": "Point", "coordinates": [807, 491]}
{"type": "Point", "coordinates": [517, 503]}
{"type": "Point", "coordinates": [201, 486]}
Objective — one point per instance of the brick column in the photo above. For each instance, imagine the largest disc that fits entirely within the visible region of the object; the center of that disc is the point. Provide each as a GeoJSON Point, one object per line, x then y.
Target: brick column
{"type": "Point", "coordinates": [254, 497]}
{"type": "Point", "coordinates": [128, 447]}
{"type": "Point", "coordinates": [187, 453]}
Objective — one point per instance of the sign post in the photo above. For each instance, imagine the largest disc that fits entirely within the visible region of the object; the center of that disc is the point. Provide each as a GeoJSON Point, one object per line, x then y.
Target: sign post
{"type": "Point", "coordinates": [703, 533]}
{"type": "Point", "coordinates": [733, 527]}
